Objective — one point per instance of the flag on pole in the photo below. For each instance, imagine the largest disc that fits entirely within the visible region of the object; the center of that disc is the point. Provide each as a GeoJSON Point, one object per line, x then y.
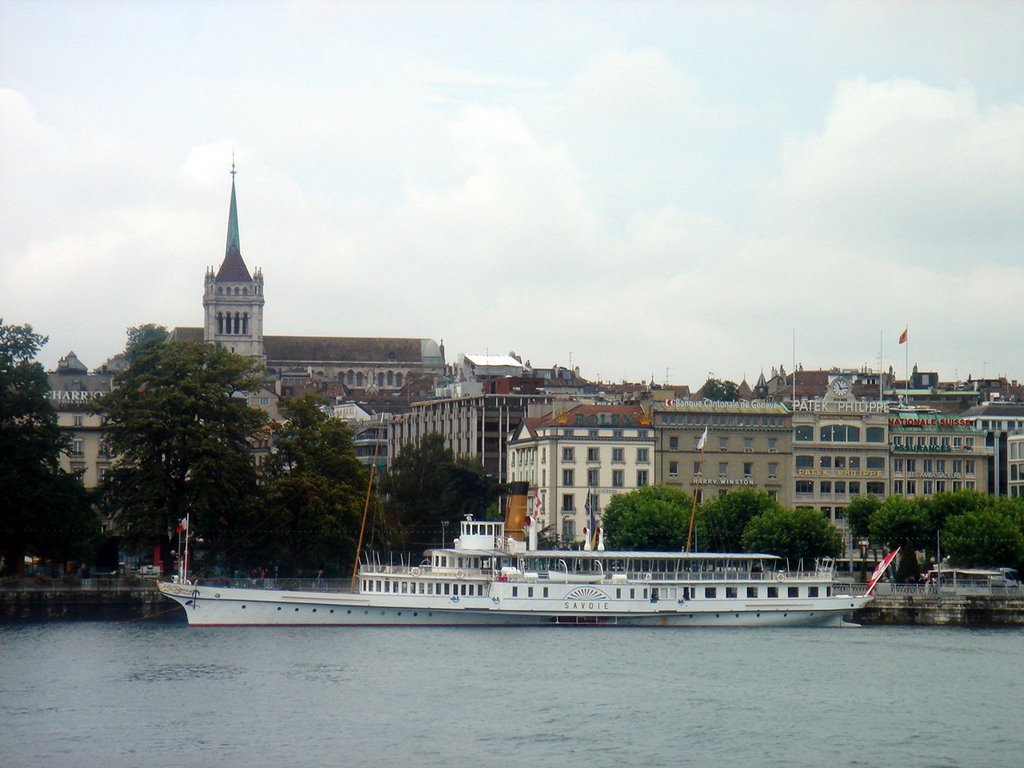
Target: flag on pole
{"type": "Point", "coordinates": [538, 505]}
{"type": "Point", "coordinates": [881, 569]}
{"type": "Point", "coordinates": [703, 439]}
{"type": "Point", "coordinates": [183, 525]}
{"type": "Point", "coordinates": [903, 336]}
{"type": "Point", "coordinates": [591, 523]}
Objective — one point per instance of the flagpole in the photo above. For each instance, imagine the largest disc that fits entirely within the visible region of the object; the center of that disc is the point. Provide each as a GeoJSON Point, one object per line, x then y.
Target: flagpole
{"type": "Point", "coordinates": [184, 564]}
{"type": "Point", "coordinates": [696, 486]}
{"type": "Point", "coordinates": [881, 392]}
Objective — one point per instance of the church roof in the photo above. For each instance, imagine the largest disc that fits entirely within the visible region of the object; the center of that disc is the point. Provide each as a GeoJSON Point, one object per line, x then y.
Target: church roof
{"type": "Point", "coordinates": [340, 348]}
{"type": "Point", "coordinates": [233, 269]}
{"type": "Point", "coordinates": [280, 350]}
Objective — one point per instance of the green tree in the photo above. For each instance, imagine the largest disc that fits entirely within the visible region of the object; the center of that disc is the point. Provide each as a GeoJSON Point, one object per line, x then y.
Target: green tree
{"type": "Point", "coordinates": [721, 521]}
{"type": "Point", "coordinates": [43, 510]}
{"type": "Point", "coordinates": [181, 432]}
{"type": "Point", "coordinates": [795, 534]}
{"type": "Point", "coordinates": [858, 514]}
{"type": "Point", "coordinates": [716, 389]}
{"type": "Point", "coordinates": [984, 537]}
{"type": "Point", "coordinates": [429, 491]}
{"type": "Point", "coordinates": [654, 518]}
{"type": "Point", "coordinates": [315, 490]}
{"type": "Point", "coordinates": [141, 337]}
{"type": "Point", "coordinates": [904, 523]}
{"type": "Point", "coordinates": [942, 506]}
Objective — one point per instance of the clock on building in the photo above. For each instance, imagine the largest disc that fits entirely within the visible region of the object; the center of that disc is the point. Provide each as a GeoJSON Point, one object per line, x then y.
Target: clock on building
{"type": "Point", "coordinates": [841, 387]}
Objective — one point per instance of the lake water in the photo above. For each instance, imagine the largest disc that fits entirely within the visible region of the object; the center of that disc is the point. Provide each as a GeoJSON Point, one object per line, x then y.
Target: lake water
{"type": "Point", "coordinates": [157, 694]}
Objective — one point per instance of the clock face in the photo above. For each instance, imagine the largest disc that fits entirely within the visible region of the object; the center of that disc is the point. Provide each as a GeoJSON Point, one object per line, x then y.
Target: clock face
{"type": "Point", "coordinates": [841, 387]}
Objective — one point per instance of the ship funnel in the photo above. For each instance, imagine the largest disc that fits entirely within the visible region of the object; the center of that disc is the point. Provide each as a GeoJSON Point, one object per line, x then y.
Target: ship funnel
{"type": "Point", "coordinates": [515, 512]}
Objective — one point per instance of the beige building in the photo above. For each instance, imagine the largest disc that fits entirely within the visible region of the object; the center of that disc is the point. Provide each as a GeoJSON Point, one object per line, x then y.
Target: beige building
{"type": "Point", "coordinates": [72, 391]}
{"type": "Point", "coordinates": [934, 453]}
{"type": "Point", "coordinates": [584, 454]}
{"type": "Point", "coordinates": [748, 445]}
{"type": "Point", "coordinates": [840, 450]}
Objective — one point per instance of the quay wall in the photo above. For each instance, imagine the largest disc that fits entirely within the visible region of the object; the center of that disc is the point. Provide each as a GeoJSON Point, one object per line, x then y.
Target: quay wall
{"type": "Point", "coordinates": [131, 599]}
{"type": "Point", "coordinates": [944, 610]}
{"type": "Point", "coordinates": [85, 600]}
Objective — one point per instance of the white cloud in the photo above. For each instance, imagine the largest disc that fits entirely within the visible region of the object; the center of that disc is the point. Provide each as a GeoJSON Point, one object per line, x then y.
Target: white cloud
{"type": "Point", "coordinates": [909, 172]}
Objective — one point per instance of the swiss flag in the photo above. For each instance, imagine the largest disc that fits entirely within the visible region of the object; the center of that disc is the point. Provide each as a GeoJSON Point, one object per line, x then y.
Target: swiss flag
{"type": "Point", "coordinates": [903, 336]}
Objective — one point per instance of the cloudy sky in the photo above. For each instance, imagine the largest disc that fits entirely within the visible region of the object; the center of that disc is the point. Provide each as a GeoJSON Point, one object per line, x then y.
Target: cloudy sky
{"type": "Point", "coordinates": [638, 189]}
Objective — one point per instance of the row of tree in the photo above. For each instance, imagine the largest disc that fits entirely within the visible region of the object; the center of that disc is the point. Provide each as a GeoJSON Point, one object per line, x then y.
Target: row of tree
{"type": "Point", "coordinates": [968, 527]}
{"type": "Point", "coordinates": [184, 434]}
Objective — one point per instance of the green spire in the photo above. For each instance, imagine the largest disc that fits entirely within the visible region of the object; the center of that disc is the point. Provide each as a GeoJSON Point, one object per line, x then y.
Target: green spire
{"type": "Point", "coordinates": [233, 268]}
{"type": "Point", "coordinates": [233, 244]}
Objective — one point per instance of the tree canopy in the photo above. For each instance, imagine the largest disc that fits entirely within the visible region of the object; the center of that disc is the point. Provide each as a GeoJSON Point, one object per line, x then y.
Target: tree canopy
{"type": "Point", "coordinates": [653, 518]}
{"type": "Point", "coordinates": [716, 389]}
{"type": "Point", "coordinates": [900, 522]}
{"type": "Point", "coordinates": [990, 536]}
{"type": "Point", "coordinates": [180, 425]}
{"type": "Point", "coordinates": [722, 520]}
{"type": "Point", "coordinates": [315, 490]}
{"type": "Point", "coordinates": [795, 534]}
{"type": "Point", "coordinates": [43, 510]}
{"type": "Point", "coordinates": [429, 491]}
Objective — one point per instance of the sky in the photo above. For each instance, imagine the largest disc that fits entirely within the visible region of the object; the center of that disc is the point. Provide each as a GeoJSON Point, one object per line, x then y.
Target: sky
{"type": "Point", "coordinates": [646, 191]}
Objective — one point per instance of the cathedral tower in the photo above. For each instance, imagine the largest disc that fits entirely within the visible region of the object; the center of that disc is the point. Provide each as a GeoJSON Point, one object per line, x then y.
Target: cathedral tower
{"type": "Point", "coordinates": [232, 299]}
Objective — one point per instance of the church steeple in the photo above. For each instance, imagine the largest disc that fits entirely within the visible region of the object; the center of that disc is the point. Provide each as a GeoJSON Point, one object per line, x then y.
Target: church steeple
{"type": "Point", "coordinates": [233, 299]}
{"type": "Point", "coordinates": [233, 267]}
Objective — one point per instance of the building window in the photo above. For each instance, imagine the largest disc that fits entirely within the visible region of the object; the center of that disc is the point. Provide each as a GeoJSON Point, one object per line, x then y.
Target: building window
{"type": "Point", "coordinates": [805, 486]}
{"type": "Point", "coordinates": [568, 529]}
{"type": "Point", "coordinates": [641, 456]}
{"type": "Point", "coordinates": [878, 462]}
{"type": "Point", "coordinates": [641, 478]}
{"type": "Point", "coordinates": [825, 488]}
{"type": "Point", "coordinates": [673, 469]}
{"type": "Point", "coordinates": [618, 454]}
{"type": "Point", "coordinates": [748, 444]}
{"type": "Point", "coordinates": [593, 478]}
{"type": "Point", "coordinates": [825, 462]}
{"type": "Point", "coordinates": [723, 443]}
{"type": "Point", "coordinates": [618, 478]}
{"type": "Point", "coordinates": [875, 434]}
{"type": "Point", "coordinates": [773, 445]}
{"type": "Point", "coordinates": [803, 434]}
{"type": "Point", "coordinates": [593, 454]}
{"type": "Point", "coordinates": [568, 454]}
{"type": "Point", "coordinates": [78, 419]}
{"type": "Point", "coordinates": [805, 462]}
{"type": "Point", "coordinates": [568, 477]}
{"type": "Point", "coordinates": [673, 443]}
{"type": "Point", "coordinates": [723, 468]}
{"type": "Point", "coordinates": [876, 489]}
{"type": "Point", "coordinates": [748, 468]}
{"type": "Point", "coordinates": [773, 469]}
{"type": "Point", "coordinates": [568, 502]}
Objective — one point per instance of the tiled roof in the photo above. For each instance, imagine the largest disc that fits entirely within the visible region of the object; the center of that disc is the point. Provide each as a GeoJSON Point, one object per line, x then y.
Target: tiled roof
{"type": "Point", "coordinates": [324, 349]}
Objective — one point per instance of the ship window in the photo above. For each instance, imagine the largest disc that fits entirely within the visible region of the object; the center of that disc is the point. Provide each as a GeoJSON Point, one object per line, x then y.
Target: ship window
{"type": "Point", "coordinates": [794, 592]}
{"type": "Point", "coordinates": [545, 591]}
{"type": "Point", "coordinates": [618, 593]}
{"type": "Point", "coordinates": [752, 592]}
{"type": "Point", "coordinates": [709, 592]}
{"type": "Point", "coordinates": [632, 593]}
{"type": "Point", "coordinates": [730, 591]}
{"type": "Point", "coordinates": [529, 591]}
{"type": "Point", "coordinates": [515, 591]}
{"type": "Point", "coordinates": [447, 588]}
{"type": "Point", "coordinates": [773, 591]}
{"type": "Point", "coordinates": [812, 591]}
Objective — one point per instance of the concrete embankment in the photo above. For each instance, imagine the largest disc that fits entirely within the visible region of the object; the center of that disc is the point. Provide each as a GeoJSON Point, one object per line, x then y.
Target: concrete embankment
{"type": "Point", "coordinates": [944, 610]}
{"type": "Point", "coordinates": [85, 600]}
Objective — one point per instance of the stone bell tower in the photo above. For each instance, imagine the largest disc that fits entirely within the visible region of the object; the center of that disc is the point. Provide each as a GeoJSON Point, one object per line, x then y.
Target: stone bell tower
{"type": "Point", "coordinates": [232, 298]}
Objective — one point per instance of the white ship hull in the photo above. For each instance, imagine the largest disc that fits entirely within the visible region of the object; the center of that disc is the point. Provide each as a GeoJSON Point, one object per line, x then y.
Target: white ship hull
{"type": "Point", "coordinates": [217, 606]}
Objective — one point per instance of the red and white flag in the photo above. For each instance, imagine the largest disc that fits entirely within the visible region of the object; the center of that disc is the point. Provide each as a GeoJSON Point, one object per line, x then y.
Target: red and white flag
{"type": "Point", "coordinates": [903, 336]}
{"type": "Point", "coordinates": [881, 569]}
{"type": "Point", "coordinates": [538, 505]}
{"type": "Point", "coordinates": [183, 525]}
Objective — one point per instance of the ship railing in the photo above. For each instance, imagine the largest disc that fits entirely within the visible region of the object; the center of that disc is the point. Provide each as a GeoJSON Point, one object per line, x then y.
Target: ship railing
{"type": "Point", "coordinates": [892, 588]}
{"type": "Point", "coordinates": [286, 584]}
